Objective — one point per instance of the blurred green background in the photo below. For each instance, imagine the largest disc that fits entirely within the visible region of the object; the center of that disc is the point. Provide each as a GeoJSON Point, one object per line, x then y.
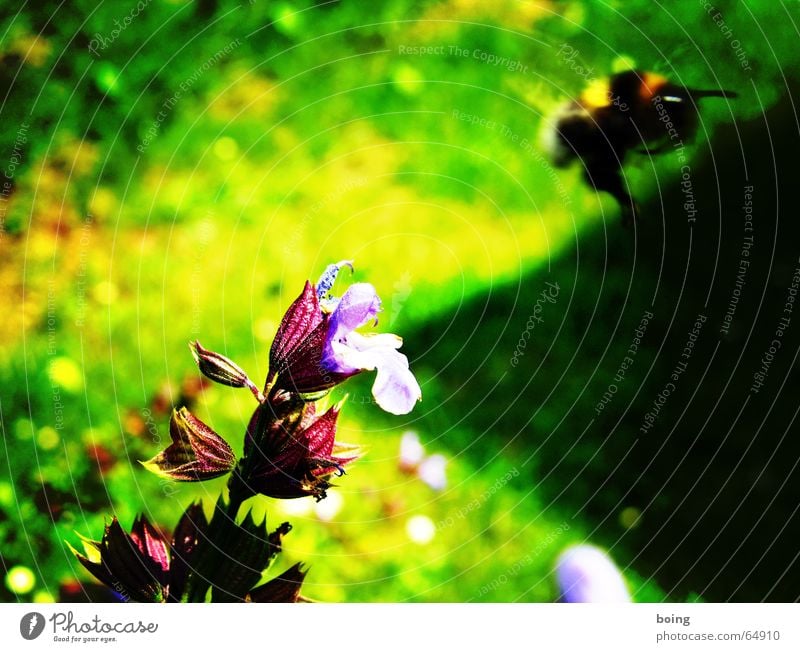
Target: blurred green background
{"type": "Point", "coordinates": [176, 170]}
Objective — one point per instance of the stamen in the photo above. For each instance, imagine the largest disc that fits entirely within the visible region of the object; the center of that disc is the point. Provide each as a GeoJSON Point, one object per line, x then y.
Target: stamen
{"type": "Point", "coordinates": [328, 277]}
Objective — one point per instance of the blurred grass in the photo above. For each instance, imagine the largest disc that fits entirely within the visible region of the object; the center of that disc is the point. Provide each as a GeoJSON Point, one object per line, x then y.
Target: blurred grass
{"type": "Point", "coordinates": [313, 140]}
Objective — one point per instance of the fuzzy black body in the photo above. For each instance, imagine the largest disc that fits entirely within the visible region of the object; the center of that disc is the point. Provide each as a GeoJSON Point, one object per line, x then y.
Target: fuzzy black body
{"type": "Point", "coordinates": [632, 110]}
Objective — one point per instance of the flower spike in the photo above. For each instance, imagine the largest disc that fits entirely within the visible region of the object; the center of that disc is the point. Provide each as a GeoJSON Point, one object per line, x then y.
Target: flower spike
{"type": "Point", "coordinates": [317, 346]}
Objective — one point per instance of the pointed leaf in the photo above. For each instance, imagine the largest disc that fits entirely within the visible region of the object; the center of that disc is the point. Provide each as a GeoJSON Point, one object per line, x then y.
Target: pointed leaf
{"type": "Point", "coordinates": [233, 555]}
{"type": "Point", "coordinates": [185, 540]}
{"type": "Point", "coordinates": [321, 434]}
{"type": "Point", "coordinates": [284, 588]}
{"type": "Point", "coordinates": [134, 575]}
{"type": "Point", "coordinates": [249, 550]}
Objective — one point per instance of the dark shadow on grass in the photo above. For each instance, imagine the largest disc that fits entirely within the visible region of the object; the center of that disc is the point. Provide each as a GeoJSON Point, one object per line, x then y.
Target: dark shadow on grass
{"type": "Point", "coordinates": [716, 474]}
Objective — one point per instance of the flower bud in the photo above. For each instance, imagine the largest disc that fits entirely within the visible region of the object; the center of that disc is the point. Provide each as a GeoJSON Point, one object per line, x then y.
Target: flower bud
{"type": "Point", "coordinates": [196, 453]}
{"type": "Point", "coordinates": [219, 368]}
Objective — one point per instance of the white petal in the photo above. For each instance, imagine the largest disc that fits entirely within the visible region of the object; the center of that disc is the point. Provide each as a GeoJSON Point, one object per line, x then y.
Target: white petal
{"type": "Point", "coordinates": [366, 341]}
{"type": "Point", "coordinates": [350, 360]}
{"type": "Point", "coordinates": [395, 389]}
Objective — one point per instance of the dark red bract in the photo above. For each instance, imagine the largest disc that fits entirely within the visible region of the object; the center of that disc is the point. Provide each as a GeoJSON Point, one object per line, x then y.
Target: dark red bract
{"type": "Point", "coordinates": [295, 358]}
{"type": "Point", "coordinates": [294, 452]}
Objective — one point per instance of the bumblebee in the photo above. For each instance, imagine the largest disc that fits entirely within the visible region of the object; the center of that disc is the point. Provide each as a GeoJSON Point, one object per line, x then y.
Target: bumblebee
{"type": "Point", "coordinates": [632, 110]}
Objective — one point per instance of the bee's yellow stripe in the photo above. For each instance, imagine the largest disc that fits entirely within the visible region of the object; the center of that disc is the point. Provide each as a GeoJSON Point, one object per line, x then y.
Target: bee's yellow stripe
{"type": "Point", "coordinates": [596, 94]}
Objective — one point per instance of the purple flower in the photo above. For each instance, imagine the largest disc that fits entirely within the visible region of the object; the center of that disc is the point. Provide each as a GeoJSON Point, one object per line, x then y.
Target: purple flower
{"type": "Point", "coordinates": [349, 352]}
{"type": "Point", "coordinates": [317, 346]}
{"type": "Point", "coordinates": [587, 574]}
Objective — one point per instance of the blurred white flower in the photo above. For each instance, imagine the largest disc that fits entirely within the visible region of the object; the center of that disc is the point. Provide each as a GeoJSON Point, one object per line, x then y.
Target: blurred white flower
{"type": "Point", "coordinates": [298, 506]}
{"type": "Point", "coordinates": [411, 451]}
{"type": "Point", "coordinates": [420, 529]}
{"type": "Point", "coordinates": [327, 508]}
{"type": "Point", "coordinates": [587, 574]}
{"type": "Point", "coordinates": [432, 472]}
